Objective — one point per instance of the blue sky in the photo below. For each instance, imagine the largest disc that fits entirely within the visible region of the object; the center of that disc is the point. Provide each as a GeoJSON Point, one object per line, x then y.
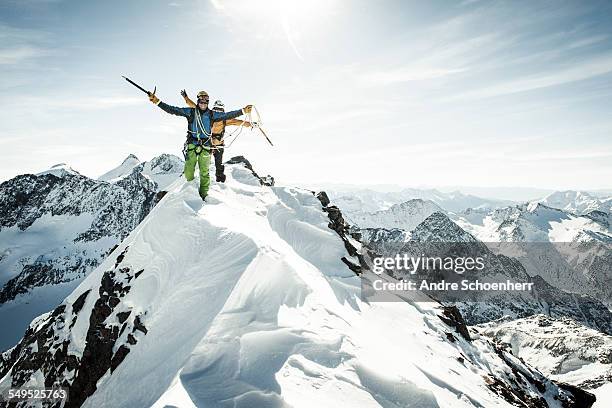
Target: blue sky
{"type": "Point", "coordinates": [470, 93]}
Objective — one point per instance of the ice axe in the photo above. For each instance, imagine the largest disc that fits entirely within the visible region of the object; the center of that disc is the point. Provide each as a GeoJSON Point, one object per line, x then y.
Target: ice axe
{"type": "Point", "coordinates": [258, 126]}
{"type": "Point", "coordinates": [266, 136]}
{"type": "Point", "coordinates": [140, 87]}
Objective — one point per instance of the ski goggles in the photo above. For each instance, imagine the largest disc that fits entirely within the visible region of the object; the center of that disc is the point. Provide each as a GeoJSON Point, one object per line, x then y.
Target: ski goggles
{"type": "Point", "coordinates": [205, 100]}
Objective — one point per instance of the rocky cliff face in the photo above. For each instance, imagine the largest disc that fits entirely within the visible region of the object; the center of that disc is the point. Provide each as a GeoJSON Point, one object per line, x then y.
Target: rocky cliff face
{"type": "Point", "coordinates": [440, 236]}
{"type": "Point", "coordinates": [58, 226]}
{"type": "Point", "coordinates": [569, 251]}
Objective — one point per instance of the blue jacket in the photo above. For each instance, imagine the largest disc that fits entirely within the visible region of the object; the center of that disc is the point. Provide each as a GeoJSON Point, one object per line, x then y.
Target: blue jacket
{"type": "Point", "coordinates": [195, 117]}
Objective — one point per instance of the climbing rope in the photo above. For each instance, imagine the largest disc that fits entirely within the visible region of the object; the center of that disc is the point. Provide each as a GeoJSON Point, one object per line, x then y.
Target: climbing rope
{"type": "Point", "coordinates": [248, 117]}
{"type": "Point", "coordinates": [234, 134]}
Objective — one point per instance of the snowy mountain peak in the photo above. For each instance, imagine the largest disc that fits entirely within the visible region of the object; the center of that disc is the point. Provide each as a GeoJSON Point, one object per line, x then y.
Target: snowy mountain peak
{"type": "Point", "coordinates": [249, 301]}
{"type": "Point", "coordinates": [162, 170]}
{"type": "Point", "coordinates": [56, 230]}
{"type": "Point", "coordinates": [417, 204]}
{"type": "Point", "coordinates": [59, 170]}
{"type": "Point", "coordinates": [131, 158]}
{"type": "Point", "coordinates": [577, 202]}
{"type": "Point", "coordinates": [406, 215]}
{"type": "Point", "coordinates": [439, 228]}
{"type": "Point", "coordinates": [532, 207]}
{"type": "Point", "coordinates": [125, 168]}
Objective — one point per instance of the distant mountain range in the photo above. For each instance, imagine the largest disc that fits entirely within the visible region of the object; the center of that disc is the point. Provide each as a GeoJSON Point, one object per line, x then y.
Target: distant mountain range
{"type": "Point", "coordinates": [577, 226]}
{"type": "Point", "coordinates": [58, 225]}
{"type": "Point", "coordinates": [253, 299]}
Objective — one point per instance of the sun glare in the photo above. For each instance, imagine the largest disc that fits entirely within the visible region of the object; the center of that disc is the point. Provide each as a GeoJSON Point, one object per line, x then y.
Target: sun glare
{"type": "Point", "coordinates": [291, 19]}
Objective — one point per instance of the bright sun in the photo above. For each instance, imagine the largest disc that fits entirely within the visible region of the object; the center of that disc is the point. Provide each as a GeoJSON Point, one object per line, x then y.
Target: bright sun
{"type": "Point", "coordinates": [294, 18]}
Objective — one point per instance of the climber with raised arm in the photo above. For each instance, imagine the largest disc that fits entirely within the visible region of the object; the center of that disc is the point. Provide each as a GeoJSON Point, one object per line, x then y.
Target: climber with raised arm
{"type": "Point", "coordinates": [218, 132]}
{"type": "Point", "coordinates": [199, 143]}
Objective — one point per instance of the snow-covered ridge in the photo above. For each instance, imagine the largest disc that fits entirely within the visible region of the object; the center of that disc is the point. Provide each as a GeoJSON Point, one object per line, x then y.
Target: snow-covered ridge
{"type": "Point", "coordinates": [57, 226]}
{"type": "Point", "coordinates": [545, 298]}
{"type": "Point", "coordinates": [248, 301]}
{"type": "Point", "coordinates": [355, 202]}
{"type": "Point", "coordinates": [582, 244]}
{"type": "Point", "coordinates": [59, 170]}
{"type": "Point", "coordinates": [577, 202]}
{"type": "Point", "coordinates": [406, 215]}
{"type": "Point", "coordinates": [162, 170]}
{"type": "Point", "coordinates": [561, 349]}
{"type": "Point", "coordinates": [124, 169]}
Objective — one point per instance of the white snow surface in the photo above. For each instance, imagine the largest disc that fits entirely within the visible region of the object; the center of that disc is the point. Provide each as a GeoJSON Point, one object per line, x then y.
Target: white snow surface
{"type": "Point", "coordinates": [532, 222]}
{"type": "Point", "coordinates": [407, 215]}
{"type": "Point", "coordinates": [577, 202]}
{"type": "Point", "coordinates": [122, 170]}
{"type": "Point", "coordinates": [604, 396]}
{"type": "Point", "coordinates": [247, 304]}
{"type": "Point", "coordinates": [560, 348]}
{"type": "Point", "coordinates": [59, 170]}
{"type": "Point", "coordinates": [163, 170]}
{"type": "Point", "coordinates": [568, 264]}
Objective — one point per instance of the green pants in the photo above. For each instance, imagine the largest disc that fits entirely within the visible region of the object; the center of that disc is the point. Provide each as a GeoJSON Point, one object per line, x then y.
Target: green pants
{"type": "Point", "coordinates": [203, 161]}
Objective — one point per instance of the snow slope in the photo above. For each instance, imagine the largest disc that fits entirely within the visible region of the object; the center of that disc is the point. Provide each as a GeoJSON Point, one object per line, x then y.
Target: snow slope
{"type": "Point", "coordinates": [579, 252]}
{"type": "Point", "coordinates": [438, 235]}
{"type": "Point", "coordinates": [559, 347]}
{"type": "Point", "coordinates": [163, 170]}
{"type": "Point", "coordinates": [406, 215]}
{"type": "Point", "coordinates": [122, 170]}
{"type": "Point", "coordinates": [247, 301]}
{"type": "Point", "coordinates": [533, 222]}
{"type": "Point", "coordinates": [577, 202]}
{"type": "Point", "coordinates": [59, 225]}
{"type": "Point", "coordinates": [59, 170]}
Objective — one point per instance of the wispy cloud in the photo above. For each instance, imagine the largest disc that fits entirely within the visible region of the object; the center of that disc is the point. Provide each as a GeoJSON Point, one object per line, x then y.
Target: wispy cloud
{"type": "Point", "coordinates": [17, 55]}
{"type": "Point", "coordinates": [585, 42]}
{"type": "Point", "coordinates": [563, 155]}
{"type": "Point", "coordinates": [584, 70]}
{"type": "Point", "coordinates": [104, 102]}
{"type": "Point", "coordinates": [19, 45]}
{"type": "Point", "coordinates": [407, 74]}
{"type": "Point", "coordinates": [68, 103]}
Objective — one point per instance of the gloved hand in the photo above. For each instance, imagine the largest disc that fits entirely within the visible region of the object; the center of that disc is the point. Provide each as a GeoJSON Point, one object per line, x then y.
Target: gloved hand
{"type": "Point", "coordinates": [153, 98]}
{"type": "Point", "coordinates": [188, 101]}
{"type": "Point", "coordinates": [247, 109]}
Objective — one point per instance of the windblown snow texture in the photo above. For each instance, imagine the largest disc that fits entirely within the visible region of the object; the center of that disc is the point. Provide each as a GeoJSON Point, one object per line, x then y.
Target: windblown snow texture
{"type": "Point", "coordinates": [248, 300]}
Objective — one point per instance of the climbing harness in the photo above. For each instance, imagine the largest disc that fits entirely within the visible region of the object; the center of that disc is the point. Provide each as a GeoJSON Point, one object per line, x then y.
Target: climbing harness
{"type": "Point", "coordinates": [200, 129]}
